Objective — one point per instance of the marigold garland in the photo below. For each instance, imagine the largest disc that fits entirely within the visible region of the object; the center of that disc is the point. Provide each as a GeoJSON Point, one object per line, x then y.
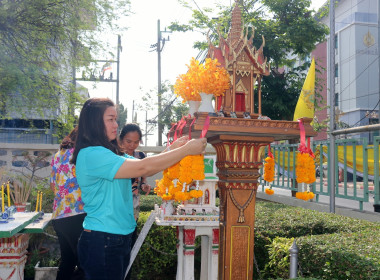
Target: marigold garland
{"type": "Point", "coordinates": [306, 195]}
{"type": "Point", "coordinates": [269, 169]}
{"type": "Point", "coordinates": [176, 179]}
{"type": "Point", "coordinates": [185, 170]}
{"type": "Point", "coordinates": [305, 168]}
{"type": "Point", "coordinates": [209, 78]}
{"type": "Point", "coordinates": [198, 167]}
{"type": "Point", "coordinates": [173, 171]}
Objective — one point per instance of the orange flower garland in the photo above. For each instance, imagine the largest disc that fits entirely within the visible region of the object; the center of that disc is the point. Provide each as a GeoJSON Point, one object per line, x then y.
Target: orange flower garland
{"type": "Point", "coordinates": [305, 168]}
{"type": "Point", "coordinates": [269, 169]}
{"type": "Point", "coordinates": [269, 166]}
{"type": "Point", "coordinates": [209, 78]}
{"type": "Point", "coordinates": [177, 179]}
{"type": "Point", "coordinates": [173, 171]}
{"type": "Point", "coordinates": [307, 195]}
{"type": "Point", "coordinates": [185, 170]}
{"type": "Point", "coordinates": [198, 167]}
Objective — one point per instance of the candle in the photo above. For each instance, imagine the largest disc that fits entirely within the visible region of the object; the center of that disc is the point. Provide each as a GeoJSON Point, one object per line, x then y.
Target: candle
{"type": "Point", "coordinates": [41, 202]}
{"type": "Point", "coordinates": [2, 197]}
{"type": "Point", "coordinates": [38, 194]}
{"type": "Point", "coordinates": [9, 195]}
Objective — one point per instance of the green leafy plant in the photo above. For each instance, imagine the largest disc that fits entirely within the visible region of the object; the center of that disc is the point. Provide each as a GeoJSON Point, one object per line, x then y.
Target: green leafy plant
{"type": "Point", "coordinates": [278, 252]}
{"type": "Point", "coordinates": [157, 257]}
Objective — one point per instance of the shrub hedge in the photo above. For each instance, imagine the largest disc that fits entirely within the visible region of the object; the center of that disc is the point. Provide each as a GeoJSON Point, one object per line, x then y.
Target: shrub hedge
{"type": "Point", "coordinates": [330, 246]}
{"type": "Point", "coordinates": [157, 258]}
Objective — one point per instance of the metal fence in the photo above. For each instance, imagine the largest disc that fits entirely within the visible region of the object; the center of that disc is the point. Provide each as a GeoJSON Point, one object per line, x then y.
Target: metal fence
{"type": "Point", "coordinates": [356, 169]}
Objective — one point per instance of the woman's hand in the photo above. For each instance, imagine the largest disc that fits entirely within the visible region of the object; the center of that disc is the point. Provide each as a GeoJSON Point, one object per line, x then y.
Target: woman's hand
{"type": "Point", "coordinates": [196, 146]}
{"type": "Point", "coordinates": [146, 188]}
{"type": "Point", "coordinates": [179, 142]}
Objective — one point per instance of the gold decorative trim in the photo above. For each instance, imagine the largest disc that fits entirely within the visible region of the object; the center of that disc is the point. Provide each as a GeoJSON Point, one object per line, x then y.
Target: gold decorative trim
{"type": "Point", "coordinates": [239, 251]}
{"type": "Point", "coordinates": [241, 208]}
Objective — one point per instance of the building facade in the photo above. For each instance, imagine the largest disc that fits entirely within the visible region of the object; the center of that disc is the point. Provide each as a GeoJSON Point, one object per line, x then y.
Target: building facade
{"type": "Point", "coordinates": [356, 66]}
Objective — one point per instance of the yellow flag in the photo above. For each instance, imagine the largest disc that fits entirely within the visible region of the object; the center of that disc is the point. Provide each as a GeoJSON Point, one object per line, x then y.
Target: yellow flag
{"type": "Point", "coordinates": [305, 104]}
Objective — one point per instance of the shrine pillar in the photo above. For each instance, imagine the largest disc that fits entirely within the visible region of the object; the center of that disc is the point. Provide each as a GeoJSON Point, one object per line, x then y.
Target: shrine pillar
{"type": "Point", "coordinates": [238, 162]}
{"type": "Point", "coordinates": [13, 256]}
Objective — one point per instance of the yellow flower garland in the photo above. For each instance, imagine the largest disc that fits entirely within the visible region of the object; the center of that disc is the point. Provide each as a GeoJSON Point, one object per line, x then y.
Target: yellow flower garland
{"type": "Point", "coordinates": [305, 168]}
{"type": "Point", "coordinates": [269, 169]}
{"type": "Point", "coordinates": [307, 195]}
{"type": "Point", "coordinates": [198, 167]}
{"type": "Point", "coordinates": [184, 172]}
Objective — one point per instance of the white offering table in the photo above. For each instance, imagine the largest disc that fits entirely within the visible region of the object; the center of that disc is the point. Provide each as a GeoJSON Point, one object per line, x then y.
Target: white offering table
{"type": "Point", "coordinates": [188, 228]}
{"type": "Point", "coordinates": [14, 239]}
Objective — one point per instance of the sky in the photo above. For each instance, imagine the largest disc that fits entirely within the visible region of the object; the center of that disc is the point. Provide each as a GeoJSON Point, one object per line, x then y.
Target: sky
{"type": "Point", "coordinates": [139, 64]}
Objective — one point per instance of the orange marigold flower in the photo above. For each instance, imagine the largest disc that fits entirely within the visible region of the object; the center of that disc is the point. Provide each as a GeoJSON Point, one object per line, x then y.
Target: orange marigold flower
{"type": "Point", "coordinates": [269, 191]}
{"type": "Point", "coordinates": [209, 77]}
{"type": "Point", "coordinates": [167, 197]}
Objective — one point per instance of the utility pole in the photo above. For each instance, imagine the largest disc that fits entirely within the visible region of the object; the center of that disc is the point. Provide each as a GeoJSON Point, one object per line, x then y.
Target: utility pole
{"type": "Point", "coordinates": [159, 91]}
{"type": "Point", "coordinates": [119, 49]}
{"type": "Point", "coordinates": [146, 127]}
{"type": "Point", "coordinates": [378, 53]}
{"type": "Point", "coordinates": [100, 77]}
{"type": "Point", "coordinates": [332, 106]}
{"type": "Point", "coordinates": [133, 110]}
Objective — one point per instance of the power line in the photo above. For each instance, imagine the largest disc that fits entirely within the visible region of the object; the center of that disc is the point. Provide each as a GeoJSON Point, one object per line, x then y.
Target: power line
{"type": "Point", "coordinates": [365, 115]}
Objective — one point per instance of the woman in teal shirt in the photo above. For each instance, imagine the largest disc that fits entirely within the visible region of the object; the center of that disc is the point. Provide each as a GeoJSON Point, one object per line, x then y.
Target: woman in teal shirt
{"type": "Point", "coordinates": [103, 174]}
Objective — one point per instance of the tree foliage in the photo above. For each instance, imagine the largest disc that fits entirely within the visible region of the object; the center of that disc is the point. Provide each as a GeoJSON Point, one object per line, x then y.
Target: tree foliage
{"type": "Point", "coordinates": [172, 109]}
{"type": "Point", "coordinates": [40, 44]}
{"type": "Point", "coordinates": [290, 30]}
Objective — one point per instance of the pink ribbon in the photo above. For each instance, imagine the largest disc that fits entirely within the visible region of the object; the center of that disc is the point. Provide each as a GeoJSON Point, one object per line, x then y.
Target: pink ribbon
{"type": "Point", "coordinates": [171, 129]}
{"type": "Point", "coordinates": [269, 152]}
{"type": "Point", "coordinates": [193, 121]}
{"type": "Point", "coordinates": [205, 127]}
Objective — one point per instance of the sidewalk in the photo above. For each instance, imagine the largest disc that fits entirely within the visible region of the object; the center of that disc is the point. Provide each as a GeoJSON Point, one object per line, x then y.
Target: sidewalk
{"type": "Point", "coordinates": [344, 207]}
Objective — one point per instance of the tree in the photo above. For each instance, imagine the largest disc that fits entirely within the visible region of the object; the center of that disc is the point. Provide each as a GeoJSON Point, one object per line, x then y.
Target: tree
{"type": "Point", "coordinates": [122, 115]}
{"type": "Point", "coordinates": [172, 109]}
{"type": "Point", "coordinates": [41, 42]}
{"type": "Point", "coordinates": [289, 29]}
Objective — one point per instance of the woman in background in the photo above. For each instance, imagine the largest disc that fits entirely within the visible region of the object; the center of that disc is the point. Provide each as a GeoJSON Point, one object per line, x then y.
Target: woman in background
{"type": "Point", "coordinates": [130, 139]}
{"type": "Point", "coordinates": [104, 173]}
{"type": "Point", "coordinates": [68, 213]}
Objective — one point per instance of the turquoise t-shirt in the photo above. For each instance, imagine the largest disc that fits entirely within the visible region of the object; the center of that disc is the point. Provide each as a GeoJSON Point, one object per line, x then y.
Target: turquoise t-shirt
{"type": "Point", "coordinates": [107, 201]}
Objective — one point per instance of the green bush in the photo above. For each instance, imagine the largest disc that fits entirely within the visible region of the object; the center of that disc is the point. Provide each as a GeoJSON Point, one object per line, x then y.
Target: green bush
{"type": "Point", "coordinates": [147, 202]}
{"type": "Point", "coordinates": [278, 252]}
{"type": "Point", "coordinates": [157, 258]}
{"type": "Point", "coordinates": [277, 224]}
{"type": "Point", "coordinates": [343, 256]}
{"type": "Point", "coordinates": [330, 246]}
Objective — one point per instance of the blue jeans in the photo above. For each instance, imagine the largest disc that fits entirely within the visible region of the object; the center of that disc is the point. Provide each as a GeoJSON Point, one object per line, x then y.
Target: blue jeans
{"type": "Point", "coordinates": [104, 255]}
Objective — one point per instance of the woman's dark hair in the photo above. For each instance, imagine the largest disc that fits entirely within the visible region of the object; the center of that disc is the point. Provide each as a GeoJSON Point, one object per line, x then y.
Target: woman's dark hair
{"type": "Point", "coordinates": [69, 141]}
{"type": "Point", "coordinates": [91, 129]}
{"type": "Point", "coordinates": [130, 127]}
